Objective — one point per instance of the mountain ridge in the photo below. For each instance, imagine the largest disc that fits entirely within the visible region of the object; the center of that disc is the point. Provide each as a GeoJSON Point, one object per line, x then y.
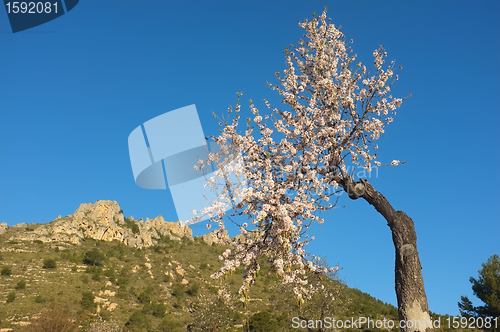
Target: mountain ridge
{"type": "Point", "coordinates": [104, 220]}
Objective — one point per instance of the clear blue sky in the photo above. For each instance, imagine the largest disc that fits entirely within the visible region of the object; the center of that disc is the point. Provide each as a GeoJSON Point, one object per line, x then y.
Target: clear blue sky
{"type": "Point", "coordinates": [73, 89]}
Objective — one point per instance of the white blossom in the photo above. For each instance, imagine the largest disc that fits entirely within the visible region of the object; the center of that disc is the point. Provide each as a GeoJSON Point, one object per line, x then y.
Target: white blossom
{"type": "Point", "coordinates": [290, 163]}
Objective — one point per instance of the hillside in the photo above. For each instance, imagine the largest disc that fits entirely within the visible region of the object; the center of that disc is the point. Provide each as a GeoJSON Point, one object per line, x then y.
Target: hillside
{"type": "Point", "coordinates": [146, 276]}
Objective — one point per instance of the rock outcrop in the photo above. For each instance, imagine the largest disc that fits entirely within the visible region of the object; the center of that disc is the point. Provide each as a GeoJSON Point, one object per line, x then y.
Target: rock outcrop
{"type": "Point", "coordinates": [104, 221]}
{"type": "Point", "coordinates": [3, 227]}
{"type": "Point", "coordinates": [217, 236]}
{"type": "Point", "coordinates": [253, 235]}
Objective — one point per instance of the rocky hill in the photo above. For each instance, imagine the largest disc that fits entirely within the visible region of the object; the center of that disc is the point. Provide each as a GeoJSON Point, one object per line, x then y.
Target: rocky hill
{"type": "Point", "coordinates": [97, 267]}
{"type": "Point", "coordinates": [104, 220]}
{"type": "Point", "coordinates": [160, 288]}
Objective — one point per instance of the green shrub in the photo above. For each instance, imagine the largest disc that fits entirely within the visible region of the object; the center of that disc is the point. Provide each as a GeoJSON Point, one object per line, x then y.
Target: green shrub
{"type": "Point", "coordinates": [138, 253]}
{"type": "Point", "coordinates": [159, 310]}
{"type": "Point", "coordinates": [49, 263]}
{"type": "Point", "coordinates": [11, 297]}
{"type": "Point", "coordinates": [133, 291]}
{"type": "Point", "coordinates": [158, 249]}
{"type": "Point", "coordinates": [122, 293]}
{"type": "Point", "coordinates": [6, 271]}
{"type": "Point", "coordinates": [138, 322]}
{"type": "Point", "coordinates": [21, 284]}
{"type": "Point", "coordinates": [177, 291]}
{"type": "Point", "coordinates": [166, 240]}
{"type": "Point", "coordinates": [39, 299]}
{"type": "Point", "coordinates": [193, 290]}
{"type": "Point", "coordinates": [168, 325]}
{"type": "Point", "coordinates": [155, 308]}
{"type": "Point", "coordinates": [264, 322]}
{"type": "Point", "coordinates": [88, 300]}
{"type": "Point", "coordinates": [29, 229]}
{"type": "Point", "coordinates": [145, 295]}
{"type": "Point", "coordinates": [110, 273]}
{"type": "Point", "coordinates": [124, 272]}
{"type": "Point", "coordinates": [93, 258]}
{"type": "Point", "coordinates": [74, 268]}
{"type": "Point", "coordinates": [73, 257]}
{"type": "Point", "coordinates": [118, 250]}
{"type": "Point", "coordinates": [132, 225]}
{"type": "Point", "coordinates": [95, 271]}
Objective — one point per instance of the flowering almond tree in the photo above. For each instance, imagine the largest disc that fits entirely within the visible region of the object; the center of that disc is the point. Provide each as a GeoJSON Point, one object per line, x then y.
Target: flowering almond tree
{"type": "Point", "coordinates": [299, 158]}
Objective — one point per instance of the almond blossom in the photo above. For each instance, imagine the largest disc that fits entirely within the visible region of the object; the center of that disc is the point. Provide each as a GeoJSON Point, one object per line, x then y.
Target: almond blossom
{"type": "Point", "coordinates": [292, 161]}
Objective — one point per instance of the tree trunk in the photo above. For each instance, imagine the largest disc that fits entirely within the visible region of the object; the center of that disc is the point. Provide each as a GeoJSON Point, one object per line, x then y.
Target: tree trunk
{"type": "Point", "coordinates": [412, 301]}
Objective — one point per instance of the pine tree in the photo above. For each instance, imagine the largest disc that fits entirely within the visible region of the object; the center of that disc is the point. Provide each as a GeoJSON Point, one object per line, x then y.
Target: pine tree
{"type": "Point", "coordinates": [487, 289]}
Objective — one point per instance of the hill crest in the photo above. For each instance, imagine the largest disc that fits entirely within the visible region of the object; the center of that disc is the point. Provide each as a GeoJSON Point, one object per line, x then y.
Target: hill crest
{"type": "Point", "coordinates": [102, 220]}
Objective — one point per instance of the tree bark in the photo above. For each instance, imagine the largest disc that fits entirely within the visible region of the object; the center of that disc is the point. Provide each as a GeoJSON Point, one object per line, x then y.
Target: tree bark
{"type": "Point", "coordinates": [412, 301]}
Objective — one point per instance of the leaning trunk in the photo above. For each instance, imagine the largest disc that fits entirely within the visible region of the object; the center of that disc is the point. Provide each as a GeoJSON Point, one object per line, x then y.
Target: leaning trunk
{"type": "Point", "coordinates": [412, 301]}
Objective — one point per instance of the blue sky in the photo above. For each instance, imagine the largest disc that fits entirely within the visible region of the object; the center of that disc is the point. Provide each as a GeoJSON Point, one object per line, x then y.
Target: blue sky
{"type": "Point", "coordinates": [73, 89]}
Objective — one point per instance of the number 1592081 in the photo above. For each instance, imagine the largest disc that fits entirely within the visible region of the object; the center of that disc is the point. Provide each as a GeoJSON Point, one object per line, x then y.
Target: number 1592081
{"type": "Point", "coordinates": [472, 322]}
{"type": "Point", "coordinates": [31, 7]}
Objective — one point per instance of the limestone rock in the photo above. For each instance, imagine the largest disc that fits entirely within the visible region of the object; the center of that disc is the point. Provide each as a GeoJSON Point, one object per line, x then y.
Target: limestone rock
{"type": "Point", "coordinates": [180, 271]}
{"type": "Point", "coordinates": [3, 227]}
{"type": "Point", "coordinates": [217, 236]}
{"type": "Point", "coordinates": [104, 221]}
{"type": "Point", "coordinates": [107, 293]}
{"type": "Point", "coordinates": [171, 229]}
{"type": "Point", "coordinates": [253, 235]}
{"type": "Point", "coordinates": [98, 299]}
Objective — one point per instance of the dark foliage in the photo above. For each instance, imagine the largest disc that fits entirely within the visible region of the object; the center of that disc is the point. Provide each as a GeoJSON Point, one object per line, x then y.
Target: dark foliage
{"type": "Point", "coordinates": [11, 297]}
{"type": "Point", "coordinates": [6, 271]}
{"type": "Point", "coordinates": [93, 258]}
{"type": "Point", "coordinates": [21, 284]}
{"type": "Point", "coordinates": [88, 300]}
{"type": "Point", "coordinates": [49, 263]}
{"type": "Point", "coordinates": [138, 322]}
{"type": "Point", "coordinates": [487, 289]}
